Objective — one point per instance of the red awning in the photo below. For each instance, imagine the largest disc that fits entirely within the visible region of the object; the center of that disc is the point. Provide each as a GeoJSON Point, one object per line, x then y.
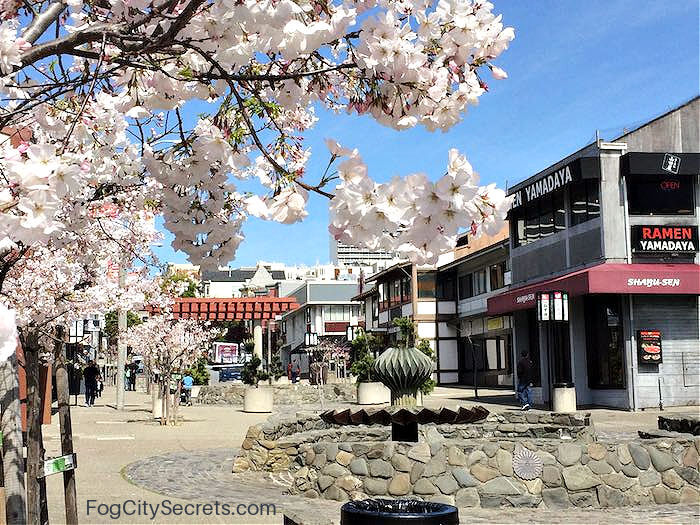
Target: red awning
{"type": "Point", "coordinates": [605, 278]}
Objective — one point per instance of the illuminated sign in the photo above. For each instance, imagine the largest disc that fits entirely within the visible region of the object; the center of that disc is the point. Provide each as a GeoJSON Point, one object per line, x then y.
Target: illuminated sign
{"type": "Point", "coordinates": [655, 239]}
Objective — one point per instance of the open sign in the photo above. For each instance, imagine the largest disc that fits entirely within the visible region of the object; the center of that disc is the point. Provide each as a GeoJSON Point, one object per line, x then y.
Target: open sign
{"type": "Point", "coordinates": [670, 185]}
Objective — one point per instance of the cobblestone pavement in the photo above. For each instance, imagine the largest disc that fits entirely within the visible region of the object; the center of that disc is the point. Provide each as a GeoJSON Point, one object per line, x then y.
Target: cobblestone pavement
{"type": "Point", "coordinates": [205, 475]}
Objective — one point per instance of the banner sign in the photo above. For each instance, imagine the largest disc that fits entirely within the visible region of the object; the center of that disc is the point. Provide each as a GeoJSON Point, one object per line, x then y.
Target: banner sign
{"type": "Point", "coordinates": [649, 346]}
{"type": "Point", "coordinates": [664, 239]}
{"type": "Point", "coordinates": [226, 352]}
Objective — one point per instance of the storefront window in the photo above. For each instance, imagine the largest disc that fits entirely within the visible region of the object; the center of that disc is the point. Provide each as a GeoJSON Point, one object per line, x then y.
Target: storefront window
{"type": "Point", "coordinates": [496, 275]}
{"type": "Point", "coordinates": [604, 342]}
{"type": "Point", "coordinates": [446, 287]}
{"type": "Point", "coordinates": [585, 201]}
{"type": "Point", "coordinates": [426, 286]}
{"type": "Point", "coordinates": [540, 218]}
{"type": "Point", "coordinates": [533, 333]}
{"type": "Point", "coordinates": [660, 195]}
{"type": "Point", "coordinates": [479, 282]}
{"type": "Point", "coordinates": [465, 286]}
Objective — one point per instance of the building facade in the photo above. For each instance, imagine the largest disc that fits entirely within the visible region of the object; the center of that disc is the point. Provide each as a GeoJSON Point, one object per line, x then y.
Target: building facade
{"type": "Point", "coordinates": [326, 309]}
{"type": "Point", "coordinates": [615, 226]}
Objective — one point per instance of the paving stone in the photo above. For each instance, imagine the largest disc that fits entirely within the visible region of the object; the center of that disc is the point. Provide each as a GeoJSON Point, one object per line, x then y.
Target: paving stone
{"type": "Point", "coordinates": [463, 477]}
{"type": "Point", "coordinates": [691, 458]}
{"type": "Point", "coordinates": [501, 485]}
{"type": "Point", "coordinates": [597, 451]}
{"type": "Point", "coordinates": [639, 455]}
{"type": "Point", "coordinates": [546, 457]}
{"type": "Point", "coordinates": [375, 487]}
{"type": "Point", "coordinates": [689, 474]}
{"type": "Point", "coordinates": [311, 493]}
{"type": "Point", "coordinates": [568, 453]}
{"type": "Point", "coordinates": [335, 493]}
{"type": "Point", "coordinates": [483, 473]}
{"type": "Point", "coordinates": [358, 466]}
{"type": "Point", "coordinates": [505, 462]}
{"type": "Point", "coordinates": [442, 498]}
{"type": "Point", "coordinates": [579, 478]}
{"type": "Point", "coordinates": [475, 456]}
{"type": "Point", "coordinates": [612, 460]}
{"type": "Point", "coordinates": [319, 460]}
{"type": "Point", "coordinates": [630, 470]}
{"type": "Point", "coordinates": [524, 501]}
{"type": "Point", "coordinates": [618, 481]}
{"type": "Point", "coordinates": [599, 467]}
{"type": "Point", "coordinates": [534, 486]}
{"type": "Point", "coordinates": [420, 452]}
{"type": "Point", "coordinates": [623, 454]}
{"type": "Point", "coordinates": [424, 486]}
{"type": "Point", "coordinates": [689, 495]}
{"type": "Point", "coordinates": [375, 452]}
{"type": "Point", "coordinates": [417, 471]}
{"type": "Point", "coordinates": [379, 468]}
{"type": "Point", "coordinates": [551, 476]}
{"type": "Point", "coordinates": [673, 496]}
{"type": "Point", "coordinates": [401, 463]}
{"type": "Point", "coordinates": [344, 458]}
{"type": "Point", "coordinates": [456, 457]}
{"type": "Point", "coordinates": [400, 484]}
{"type": "Point", "coordinates": [467, 497]}
{"type": "Point", "coordinates": [586, 498]}
{"type": "Point", "coordinates": [671, 479]}
{"type": "Point", "coordinates": [556, 498]}
{"type": "Point", "coordinates": [490, 448]}
{"type": "Point", "coordinates": [437, 465]}
{"type": "Point", "coordinates": [659, 494]}
{"type": "Point", "coordinates": [649, 478]}
{"type": "Point", "coordinates": [348, 483]}
{"type": "Point", "coordinates": [446, 483]}
{"type": "Point", "coordinates": [335, 470]}
{"type": "Point", "coordinates": [507, 445]}
{"type": "Point", "coordinates": [325, 481]}
{"type": "Point", "coordinates": [662, 461]}
{"type": "Point", "coordinates": [309, 456]}
{"type": "Point", "coordinates": [609, 497]}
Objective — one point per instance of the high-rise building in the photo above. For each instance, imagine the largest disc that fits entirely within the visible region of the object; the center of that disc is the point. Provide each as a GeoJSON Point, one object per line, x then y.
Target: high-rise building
{"type": "Point", "coordinates": [347, 255]}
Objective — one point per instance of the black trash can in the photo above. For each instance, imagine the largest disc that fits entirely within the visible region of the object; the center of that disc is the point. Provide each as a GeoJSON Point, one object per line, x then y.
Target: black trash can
{"type": "Point", "coordinates": [398, 511]}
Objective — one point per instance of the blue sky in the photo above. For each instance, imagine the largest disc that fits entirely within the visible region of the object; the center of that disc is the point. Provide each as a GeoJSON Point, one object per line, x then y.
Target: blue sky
{"type": "Point", "coordinates": [574, 67]}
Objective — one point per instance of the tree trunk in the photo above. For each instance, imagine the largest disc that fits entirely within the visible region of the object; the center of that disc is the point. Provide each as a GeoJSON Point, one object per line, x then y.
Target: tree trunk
{"type": "Point", "coordinates": [176, 402]}
{"type": "Point", "coordinates": [12, 456]}
{"type": "Point", "coordinates": [37, 510]}
{"type": "Point", "coordinates": [164, 388]}
{"type": "Point", "coordinates": [63, 395]}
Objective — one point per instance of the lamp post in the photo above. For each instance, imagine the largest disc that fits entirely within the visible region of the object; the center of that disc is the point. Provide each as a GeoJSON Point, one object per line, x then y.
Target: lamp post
{"type": "Point", "coordinates": [552, 310]}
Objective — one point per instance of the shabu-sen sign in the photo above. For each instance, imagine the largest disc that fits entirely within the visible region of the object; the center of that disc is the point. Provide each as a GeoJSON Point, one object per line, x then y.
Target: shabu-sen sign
{"type": "Point", "coordinates": [673, 239]}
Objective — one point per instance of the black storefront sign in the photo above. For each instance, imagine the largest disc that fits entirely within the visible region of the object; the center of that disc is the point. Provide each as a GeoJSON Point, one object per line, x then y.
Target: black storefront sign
{"type": "Point", "coordinates": [552, 180]}
{"type": "Point", "coordinates": [657, 163]}
{"type": "Point", "coordinates": [649, 346]}
{"type": "Point", "coordinates": [664, 239]}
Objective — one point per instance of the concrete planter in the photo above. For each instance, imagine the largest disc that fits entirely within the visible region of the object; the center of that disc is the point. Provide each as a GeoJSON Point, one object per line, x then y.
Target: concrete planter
{"type": "Point", "coordinates": [564, 400]}
{"type": "Point", "coordinates": [257, 399]}
{"type": "Point", "coordinates": [157, 406]}
{"type": "Point", "coordinates": [373, 393]}
{"type": "Point", "coordinates": [284, 380]}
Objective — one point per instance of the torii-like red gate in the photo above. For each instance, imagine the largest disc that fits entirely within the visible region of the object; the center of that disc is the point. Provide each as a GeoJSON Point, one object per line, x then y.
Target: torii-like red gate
{"type": "Point", "coordinates": [261, 308]}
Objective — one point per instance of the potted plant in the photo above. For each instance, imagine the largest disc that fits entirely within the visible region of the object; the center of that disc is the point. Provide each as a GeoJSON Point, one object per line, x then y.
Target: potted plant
{"type": "Point", "coordinates": [257, 398]}
{"type": "Point", "coordinates": [369, 390]}
{"type": "Point", "coordinates": [405, 368]}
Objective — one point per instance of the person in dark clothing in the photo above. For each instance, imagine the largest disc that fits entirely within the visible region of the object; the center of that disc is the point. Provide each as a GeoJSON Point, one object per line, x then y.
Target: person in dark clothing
{"type": "Point", "coordinates": [524, 390]}
{"type": "Point", "coordinates": [91, 374]}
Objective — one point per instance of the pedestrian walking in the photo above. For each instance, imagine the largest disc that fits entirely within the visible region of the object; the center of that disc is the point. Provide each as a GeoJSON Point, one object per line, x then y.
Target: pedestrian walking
{"type": "Point", "coordinates": [91, 374]}
{"type": "Point", "coordinates": [187, 383]}
{"type": "Point", "coordinates": [524, 389]}
{"type": "Point", "coordinates": [295, 374]}
{"type": "Point", "coordinates": [289, 371]}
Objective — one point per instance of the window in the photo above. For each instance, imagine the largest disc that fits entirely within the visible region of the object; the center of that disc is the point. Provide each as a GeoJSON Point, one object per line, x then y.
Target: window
{"type": "Point", "coordinates": [497, 275]}
{"type": "Point", "coordinates": [308, 315]}
{"type": "Point", "coordinates": [394, 293]}
{"type": "Point", "coordinates": [465, 286]}
{"type": "Point", "coordinates": [446, 287]}
{"type": "Point", "coordinates": [406, 290]}
{"type": "Point", "coordinates": [383, 295]}
{"type": "Point", "coordinates": [479, 282]}
{"type": "Point", "coordinates": [585, 201]}
{"type": "Point", "coordinates": [426, 285]}
{"type": "Point", "coordinates": [604, 342]}
{"type": "Point", "coordinates": [539, 219]}
{"type": "Point", "coordinates": [660, 195]}
{"type": "Point", "coordinates": [375, 307]}
{"type": "Point", "coordinates": [337, 312]}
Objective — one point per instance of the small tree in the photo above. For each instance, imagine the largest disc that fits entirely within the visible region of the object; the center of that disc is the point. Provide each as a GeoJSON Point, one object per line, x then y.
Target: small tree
{"type": "Point", "coordinates": [252, 374]}
{"type": "Point", "coordinates": [408, 337]}
{"type": "Point", "coordinates": [199, 372]}
{"type": "Point", "coordinates": [362, 365]}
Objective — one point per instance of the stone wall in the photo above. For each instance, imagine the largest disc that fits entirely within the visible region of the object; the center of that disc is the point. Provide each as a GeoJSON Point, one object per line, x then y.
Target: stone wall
{"type": "Point", "coordinates": [233, 393]}
{"type": "Point", "coordinates": [356, 462]}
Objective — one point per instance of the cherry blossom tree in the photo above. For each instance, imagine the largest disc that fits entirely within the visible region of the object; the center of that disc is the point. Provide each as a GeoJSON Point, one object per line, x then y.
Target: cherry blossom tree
{"type": "Point", "coordinates": [108, 91]}
{"type": "Point", "coordinates": [170, 346]}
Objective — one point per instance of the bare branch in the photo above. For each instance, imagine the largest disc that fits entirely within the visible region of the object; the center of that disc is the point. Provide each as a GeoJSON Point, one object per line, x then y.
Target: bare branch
{"type": "Point", "coordinates": [43, 21]}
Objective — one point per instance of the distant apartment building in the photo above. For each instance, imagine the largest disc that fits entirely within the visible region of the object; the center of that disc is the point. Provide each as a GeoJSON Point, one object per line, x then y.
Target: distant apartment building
{"type": "Point", "coordinates": [342, 254]}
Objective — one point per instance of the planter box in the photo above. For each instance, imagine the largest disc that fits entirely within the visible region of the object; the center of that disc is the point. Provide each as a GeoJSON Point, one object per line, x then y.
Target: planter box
{"type": "Point", "coordinates": [257, 399]}
{"type": "Point", "coordinates": [374, 393]}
